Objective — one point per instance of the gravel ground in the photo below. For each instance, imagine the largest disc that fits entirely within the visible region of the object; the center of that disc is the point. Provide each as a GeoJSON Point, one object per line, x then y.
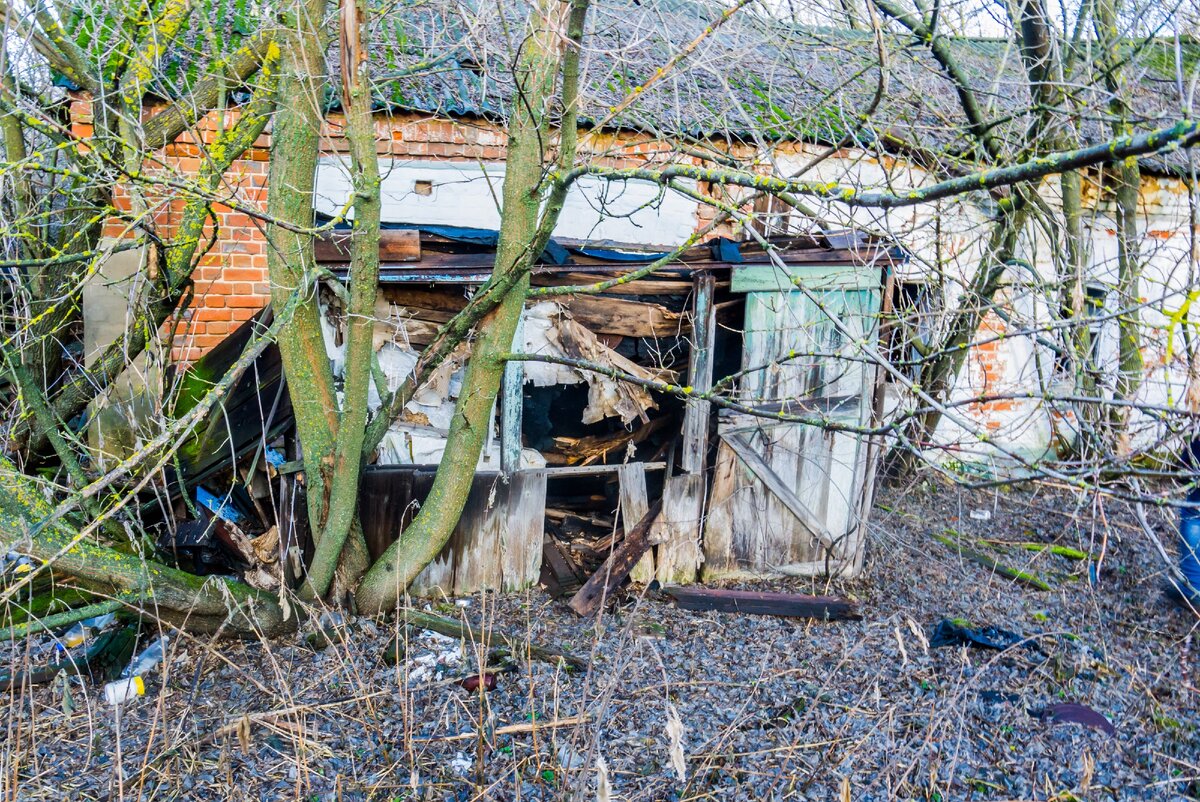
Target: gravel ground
{"type": "Point", "coordinates": [682, 705]}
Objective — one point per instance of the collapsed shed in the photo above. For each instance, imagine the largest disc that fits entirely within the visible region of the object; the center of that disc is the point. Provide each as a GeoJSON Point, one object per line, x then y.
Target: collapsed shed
{"type": "Point", "coordinates": [773, 478]}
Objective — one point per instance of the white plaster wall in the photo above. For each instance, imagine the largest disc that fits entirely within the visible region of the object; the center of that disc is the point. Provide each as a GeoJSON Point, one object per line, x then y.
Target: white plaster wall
{"type": "Point", "coordinates": [468, 194]}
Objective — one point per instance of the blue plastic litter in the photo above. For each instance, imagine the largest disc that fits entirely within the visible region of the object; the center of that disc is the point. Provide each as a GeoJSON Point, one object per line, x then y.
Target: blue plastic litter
{"type": "Point", "coordinates": [1189, 548]}
{"type": "Point", "coordinates": [222, 508]}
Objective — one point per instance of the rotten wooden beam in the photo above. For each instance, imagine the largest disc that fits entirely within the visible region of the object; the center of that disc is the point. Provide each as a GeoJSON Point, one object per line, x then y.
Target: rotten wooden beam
{"type": "Point", "coordinates": [395, 245]}
{"type": "Point", "coordinates": [616, 568]}
{"type": "Point", "coordinates": [788, 605]}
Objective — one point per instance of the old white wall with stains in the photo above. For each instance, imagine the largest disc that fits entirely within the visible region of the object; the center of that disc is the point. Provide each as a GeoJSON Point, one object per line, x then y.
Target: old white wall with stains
{"type": "Point", "coordinates": [947, 239]}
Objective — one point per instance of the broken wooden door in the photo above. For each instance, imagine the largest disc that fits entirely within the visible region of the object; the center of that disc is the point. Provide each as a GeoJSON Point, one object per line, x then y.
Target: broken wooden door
{"type": "Point", "coordinates": [791, 497]}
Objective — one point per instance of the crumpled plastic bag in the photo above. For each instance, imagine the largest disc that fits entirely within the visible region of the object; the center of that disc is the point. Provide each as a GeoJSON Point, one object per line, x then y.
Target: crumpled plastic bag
{"type": "Point", "coordinates": [956, 632]}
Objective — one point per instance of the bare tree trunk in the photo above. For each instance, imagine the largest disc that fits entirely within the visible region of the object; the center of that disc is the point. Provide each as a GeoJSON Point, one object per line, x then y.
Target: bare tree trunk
{"type": "Point", "coordinates": [1128, 186]}
{"type": "Point", "coordinates": [1045, 68]}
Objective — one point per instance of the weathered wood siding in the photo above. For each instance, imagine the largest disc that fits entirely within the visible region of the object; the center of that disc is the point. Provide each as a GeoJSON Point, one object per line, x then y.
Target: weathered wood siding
{"type": "Point", "coordinates": [497, 544]}
{"type": "Point", "coordinates": [788, 497]}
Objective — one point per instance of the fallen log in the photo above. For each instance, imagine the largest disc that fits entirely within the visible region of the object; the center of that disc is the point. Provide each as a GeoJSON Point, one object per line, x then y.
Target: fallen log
{"type": "Point", "coordinates": [790, 605]}
{"type": "Point", "coordinates": [616, 568]}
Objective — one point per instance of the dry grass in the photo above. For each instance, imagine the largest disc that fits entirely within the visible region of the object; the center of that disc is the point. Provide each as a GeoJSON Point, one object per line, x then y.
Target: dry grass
{"type": "Point", "coordinates": [767, 708]}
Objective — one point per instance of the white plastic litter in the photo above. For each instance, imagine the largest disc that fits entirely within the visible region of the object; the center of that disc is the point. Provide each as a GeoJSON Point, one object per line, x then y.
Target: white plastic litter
{"type": "Point", "coordinates": [150, 657]}
{"type": "Point", "coordinates": [122, 690]}
{"type": "Point", "coordinates": [981, 515]}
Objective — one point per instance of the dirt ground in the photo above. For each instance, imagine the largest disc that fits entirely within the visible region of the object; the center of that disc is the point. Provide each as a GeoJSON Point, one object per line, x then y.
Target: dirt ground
{"type": "Point", "coordinates": [687, 706]}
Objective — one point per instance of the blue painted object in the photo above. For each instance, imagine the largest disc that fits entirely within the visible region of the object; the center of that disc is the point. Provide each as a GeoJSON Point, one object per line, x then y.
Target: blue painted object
{"type": "Point", "coordinates": [1189, 548]}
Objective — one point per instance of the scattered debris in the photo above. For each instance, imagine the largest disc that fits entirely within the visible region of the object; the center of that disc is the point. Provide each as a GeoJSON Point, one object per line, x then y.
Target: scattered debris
{"type": "Point", "coordinates": [675, 733]}
{"type": "Point", "coordinates": [1072, 713]}
{"type": "Point", "coordinates": [957, 632]}
{"type": "Point", "coordinates": [981, 515]}
{"type": "Point", "coordinates": [150, 657]}
{"type": "Point", "coordinates": [120, 691]}
{"type": "Point", "coordinates": [514, 646]}
{"type": "Point", "coordinates": [109, 653]}
{"type": "Point", "coordinates": [791, 605]}
{"type": "Point", "coordinates": [471, 684]}
{"type": "Point", "coordinates": [78, 634]}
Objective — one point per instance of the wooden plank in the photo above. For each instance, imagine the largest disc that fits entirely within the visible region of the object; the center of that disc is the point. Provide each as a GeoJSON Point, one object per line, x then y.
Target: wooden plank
{"type": "Point", "coordinates": [476, 539]}
{"type": "Point", "coordinates": [679, 555]}
{"type": "Point", "coordinates": [559, 471]}
{"type": "Point", "coordinates": [722, 525]}
{"type": "Point", "coordinates": [562, 571]}
{"type": "Point", "coordinates": [762, 471]}
{"type": "Point", "coordinates": [790, 605]}
{"type": "Point", "coordinates": [618, 565]}
{"type": "Point", "coordinates": [512, 404]}
{"type": "Point", "coordinates": [445, 300]}
{"type": "Point", "coordinates": [644, 286]}
{"type": "Point", "coordinates": [634, 503]}
{"type": "Point", "coordinates": [621, 316]}
{"type": "Point", "coordinates": [524, 516]}
{"type": "Point", "coordinates": [769, 278]}
{"type": "Point", "coordinates": [700, 369]}
{"type": "Point", "coordinates": [634, 499]}
{"type": "Point", "coordinates": [395, 245]}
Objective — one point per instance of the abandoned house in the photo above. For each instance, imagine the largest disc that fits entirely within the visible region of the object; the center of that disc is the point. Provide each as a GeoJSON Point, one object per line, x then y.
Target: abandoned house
{"type": "Point", "coordinates": [571, 452]}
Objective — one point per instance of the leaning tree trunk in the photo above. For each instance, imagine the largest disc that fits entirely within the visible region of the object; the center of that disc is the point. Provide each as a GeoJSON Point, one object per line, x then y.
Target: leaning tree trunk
{"type": "Point", "coordinates": [420, 543]}
{"type": "Point", "coordinates": [201, 604]}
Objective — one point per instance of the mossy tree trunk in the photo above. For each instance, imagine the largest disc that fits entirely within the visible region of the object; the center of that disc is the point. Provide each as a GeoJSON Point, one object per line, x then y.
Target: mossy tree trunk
{"type": "Point", "coordinates": [202, 604]}
{"type": "Point", "coordinates": [552, 25]}
{"type": "Point", "coordinates": [292, 175]}
{"type": "Point", "coordinates": [347, 457]}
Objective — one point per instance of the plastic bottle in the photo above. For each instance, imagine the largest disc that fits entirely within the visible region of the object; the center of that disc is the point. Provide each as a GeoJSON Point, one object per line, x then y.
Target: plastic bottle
{"type": "Point", "coordinates": [80, 632]}
{"type": "Point", "coordinates": [75, 635]}
{"type": "Point", "coordinates": [122, 690]}
{"type": "Point", "coordinates": [148, 659]}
